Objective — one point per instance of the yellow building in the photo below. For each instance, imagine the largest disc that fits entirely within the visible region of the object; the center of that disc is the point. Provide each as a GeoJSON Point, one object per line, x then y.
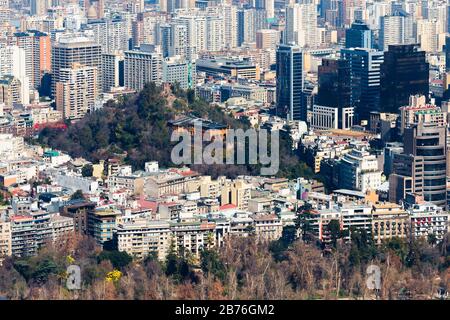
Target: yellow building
{"type": "Point", "coordinates": [237, 193]}
{"type": "Point", "coordinates": [389, 220]}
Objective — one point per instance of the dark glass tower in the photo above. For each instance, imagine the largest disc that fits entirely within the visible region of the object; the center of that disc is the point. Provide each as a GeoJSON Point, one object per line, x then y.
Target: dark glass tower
{"type": "Point", "coordinates": [334, 83]}
{"type": "Point", "coordinates": [447, 53]}
{"type": "Point", "coordinates": [404, 72]}
{"type": "Point", "coordinates": [358, 36]}
{"type": "Point", "coordinates": [365, 79]}
{"type": "Point", "coordinates": [290, 104]}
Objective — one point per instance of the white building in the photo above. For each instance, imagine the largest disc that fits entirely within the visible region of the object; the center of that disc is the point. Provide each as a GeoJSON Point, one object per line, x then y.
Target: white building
{"type": "Point", "coordinates": [141, 67]}
{"type": "Point", "coordinates": [301, 25]}
{"type": "Point", "coordinates": [178, 70]}
{"type": "Point", "coordinates": [426, 219]}
{"type": "Point", "coordinates": [13, 63]}
{"type": "Point", "coordinates": [76, 91]}
{"type": "Point", "coordinates": [359, 171]}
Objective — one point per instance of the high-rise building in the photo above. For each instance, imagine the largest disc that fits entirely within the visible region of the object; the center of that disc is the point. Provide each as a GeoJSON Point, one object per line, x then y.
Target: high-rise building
{"type": "Point", "coordinates": [358, 170]}
{"type": "Point", "coordinates": [38, 7]}
{"type": "Point", "coordinates": [404, 72]}
{"type": "Point", "coordinates": [359, 36]}
{"type": "Point", "coordinates": [447, 53]}
{"type": "Point", "coordinates": [76, 91]}
{"type": "Point", "coordinates": [427, 35]}
{"type": "Point", "coordinates": [230, 25]}
{"type": "Point", "coordinates": [421, 169]}
{"type": "Point", "coordinates": [111, 34]}
{"type": "Point", "coordinates": [13, 63]}
{"type": "Point", "coordinates": [290, 79]}
{"type": "Point", "coordinates": [391, 31]}
{"type": "Point", "coordinates": [301, 24]}
{"type": "Point", "coordinates": [365, 67]}
{"type": "Point", "coordinates": [75, 49]}
{"type": "Point", "coordinates": [37, 46]}
{"type": "Point", "coordinates": [113, 71]}
{"type": "Point", "coordinates": [142, 66]}
{"type": "Point", "coordinates": [267, 39]}
{"type": "Point", "coordinates": [10, 91]}
{"type": "Point", "coordinates": [334, 78]}
{"type": "Point", "coordinates": [250, 21]}
{"type": "Point", "coordinates": [178, 70]}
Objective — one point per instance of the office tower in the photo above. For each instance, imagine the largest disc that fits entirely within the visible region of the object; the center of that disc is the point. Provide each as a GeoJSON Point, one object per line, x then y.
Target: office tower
{"type": "Point", "coordinates": [421, 169]}
{"type": "Point", "coordinates": [196, 33]}
{"type": "Point", "coordinates": [391, 31]}
{"type": "Point", "coordinates": [301, 25]}
{"type": "Point", "coordinates": [358, 36]}
{"type": "Point", "coordinates": [76, 91]}
{"type": "Point", "coordinates": [290, 81]}
{"type": "Point", "coordinates": [178, 70]}
{"type": "Point", "coordinates": [404, 73]}
{"type": "Point", "coordinates": [269, 5]}
{"type": "Point", "coordinates": [427, 35]}
{"type": "Point", "coordinates": [72, 49]}
{"type": "Point", "coordinates": [215, 37]}
{"type": "Point", "coordinates": [176, 39]}
{"type": "Point", "coordinates": [163, 5]}
{"type": "Point", "coordinates": [447, 53]}
{"type": "Point", "coordinates": [249, 21]}
{"type": "Point", "coordinates": [365, 79]}
{"type": "Point", "coordinates": [165, 36]}
{"type": "Point", "coordinates": [111, 34]}
{"type": "Point", "coordinates": [230, 25]}
{"type": "Point", "coordinates": [13, 63]}
{"type": "Point", "coordinates": [37, 46]}
{"type": "Point", "coordinates": [332, 12]}
{"type": "Point", "coordinates": [448, 18]}
{"type": "Point", "coordinates": [113, 71]}
{"type": "Point", "coordinates": [142, 66]}
{"type": "Point", "coordinates": [38, 7]}
{"type": "Point", "coordinates": [267, 39]}
{"type": "Point", "coordinates": [334, 80]}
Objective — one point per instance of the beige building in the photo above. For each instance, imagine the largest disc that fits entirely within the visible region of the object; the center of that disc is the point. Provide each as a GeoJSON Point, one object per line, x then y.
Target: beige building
{"type": "Point", "coordinates": [209, 188]}
{"type": "Point", "coordinates": [133, 184]}
{"type": "Point", "coordinates": [5, 239]}
{"type": "Point", "coordinates": [10, 91]}
{"type": "Point", "coordinates": [141, 237]}
{"type": "Point", "coordinates": [389, 220]}
{"type": "Point", "coordinates": [193, 236]}
{"type": "Point", "coordinates": [171, 183]}
{"type": "Point", "coordinates": [267, 39]}
{"type": "Point", "coordinates": [76, 91]}
{"type": "Point", "coordinates": [267, 227]}
{"type": "Point", "coordinates": [237, 193]}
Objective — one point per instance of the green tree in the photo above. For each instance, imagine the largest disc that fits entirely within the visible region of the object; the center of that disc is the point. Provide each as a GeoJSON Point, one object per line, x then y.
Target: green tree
{"type": "Point", "coordinates": [334, 227]}
{"type": "Point", "coordinates": [87, 170]}
{"type": "Point", "coordinates": [119, 259]}
{"type": "Point", "coordinates": [210, 263]}
{"type": "Point", "coordinates": [77, 195]}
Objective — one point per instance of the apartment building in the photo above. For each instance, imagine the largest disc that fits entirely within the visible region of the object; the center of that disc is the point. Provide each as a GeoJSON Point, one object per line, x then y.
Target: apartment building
{"type": "Point", "coordinates": [389, 220]}
{"type": "Point", "coordinates": [76, 91]}
{"type": "Point", "coordinates": [5, 239]}
{"type": "Point", "coordinates": [268, 227]}
{"type": "Point", "coordinates": [171, 183]}
{"type": "Point", "coordinates": [427, 219]}
{"type": "Point", "coordinates": [141, 237]}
